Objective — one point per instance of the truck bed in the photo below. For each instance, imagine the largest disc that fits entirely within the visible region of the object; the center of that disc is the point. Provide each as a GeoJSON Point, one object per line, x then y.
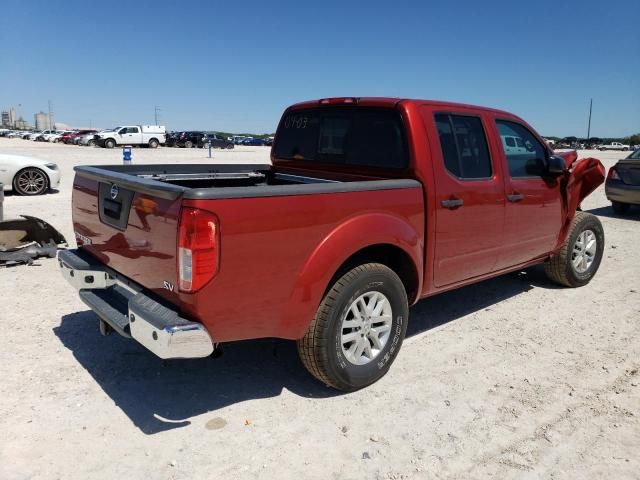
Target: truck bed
{"type": "Point", "coordinates": [197, 181]}
{"type": "Point", "coordinates": [272, 224]}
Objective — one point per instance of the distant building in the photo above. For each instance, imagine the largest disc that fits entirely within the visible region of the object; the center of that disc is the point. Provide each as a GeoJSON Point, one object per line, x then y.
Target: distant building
{"type": "Point", "coordinates": [42, 121]}
{"type": "Point", "coordinates": [9, 118]}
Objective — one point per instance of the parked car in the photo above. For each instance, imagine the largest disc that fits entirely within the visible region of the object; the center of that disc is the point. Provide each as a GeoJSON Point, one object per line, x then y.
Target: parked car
{"type": "Point", "coordinates": [37, 133]}
{"type": "Point", "coordinates": [70, 138]}
{"type": "Point", "coordinates": [26, 135]}
{"type": "Point", "coordinates": [171, 139]}
{"type": "Point", "coordinates": [89, 139]}
{"type": "Point", "coordinates": [190, 139]}
{"type": "Point", "coordinates": [238, 139]}
{"type": "Point", "coordinates": [614, 146]}
{"type": "Point", "coordinates": [27, 175]}
{"type": "Point", "coordinates": [149, 135]}
{"type": "Point", "coordinates": [255, 142]}
{"type": "Point", "coordinates": [268, 141]}
{"type": "Point", "coordinates": [57, 137]}
{"type": "Point", "coordinates": [44, 135]}
{"type": "Point", "coordinates": [623, 183]}
{"type": "Point", "coordinates": [217, 141]}
{"type": "Point", "coordinates": [331, 243]}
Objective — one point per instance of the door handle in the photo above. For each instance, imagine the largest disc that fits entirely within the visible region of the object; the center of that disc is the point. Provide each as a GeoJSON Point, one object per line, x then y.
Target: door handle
{"type": "Point", "coordinates": [515, 197]}
{"type": "Point", "coordinates": [452, 203]}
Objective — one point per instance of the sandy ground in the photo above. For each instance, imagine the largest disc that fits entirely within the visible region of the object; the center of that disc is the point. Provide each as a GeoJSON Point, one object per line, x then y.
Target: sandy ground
{"type": "Point", "coordinates": [510, 378]}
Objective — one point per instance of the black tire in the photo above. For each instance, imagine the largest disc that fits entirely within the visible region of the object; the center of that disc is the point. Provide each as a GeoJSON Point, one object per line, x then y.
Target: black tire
{"type": "Point", "coordinates": [620, 207]}
{"type": "Point", "coordinates": [91, 143]}
{"type": "Point", "coordinates": [30, 181]}
{"type": "Point", "coordinates": [230, 146]}
{"type": "Point", "coordinates": [560, 268]}
{"type": "Point", "coordinates": [153, 143]}
{"type": "Point", "coordinates": [109, 143]}
{"type": "Point", "coordinates": [188, 144]}
{"type": "Point", "coordinates": [321, 349]}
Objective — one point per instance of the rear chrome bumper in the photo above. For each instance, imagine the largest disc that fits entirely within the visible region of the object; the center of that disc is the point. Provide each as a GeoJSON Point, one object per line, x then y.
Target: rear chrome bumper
{"type": "Point", "coordinates": [131, 313]}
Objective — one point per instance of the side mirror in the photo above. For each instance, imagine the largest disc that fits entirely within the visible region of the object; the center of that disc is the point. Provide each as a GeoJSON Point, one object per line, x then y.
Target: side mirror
{"type": "Point", "coordinates": [556, 166]}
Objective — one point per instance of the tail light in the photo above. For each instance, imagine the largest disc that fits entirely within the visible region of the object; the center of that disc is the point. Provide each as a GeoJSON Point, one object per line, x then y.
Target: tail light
{"type": "Point", "coordinates": [198, 248]}
{"type": "Point", "coordinates": [613, 175]}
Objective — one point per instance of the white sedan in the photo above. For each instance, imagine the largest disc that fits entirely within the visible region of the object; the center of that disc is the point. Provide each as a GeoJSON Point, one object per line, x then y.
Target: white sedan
{"type": "Point", "coordinates": [27, 175]}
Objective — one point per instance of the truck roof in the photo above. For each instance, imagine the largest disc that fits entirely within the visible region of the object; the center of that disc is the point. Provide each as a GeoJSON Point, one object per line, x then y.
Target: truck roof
{"type": "Point", "coordinates": [389, 102]}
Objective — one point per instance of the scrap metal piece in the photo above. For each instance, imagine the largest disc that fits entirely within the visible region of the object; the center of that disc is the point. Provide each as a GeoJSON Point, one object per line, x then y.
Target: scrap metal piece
{"type": "Point", "coordinates": [24, 239]}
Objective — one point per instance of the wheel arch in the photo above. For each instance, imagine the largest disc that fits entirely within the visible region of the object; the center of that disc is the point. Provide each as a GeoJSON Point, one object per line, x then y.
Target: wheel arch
{"type": "Point", "coordinates": [370, 238]}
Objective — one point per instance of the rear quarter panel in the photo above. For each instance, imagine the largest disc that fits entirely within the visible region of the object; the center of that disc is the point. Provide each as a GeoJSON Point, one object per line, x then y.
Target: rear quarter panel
{"type": "Point", "coordinates": [279, 253]}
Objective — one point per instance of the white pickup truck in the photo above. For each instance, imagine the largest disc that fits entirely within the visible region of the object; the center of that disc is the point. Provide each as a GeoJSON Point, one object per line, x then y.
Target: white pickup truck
{"type": "Point", "coordinates": [614, 146]}
{"type": "Point", "coordinates": [151, 135]}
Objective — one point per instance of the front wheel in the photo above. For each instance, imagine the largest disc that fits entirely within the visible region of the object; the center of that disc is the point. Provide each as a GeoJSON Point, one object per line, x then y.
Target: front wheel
{"type": "Point", "coordinates": [31, 181]}
{"type": "Point", "coordinates": [110, 143]}
{"type": "Point", "coordinates": [358, 328]}
{"type": "Point", "coordinates": [579, 258]}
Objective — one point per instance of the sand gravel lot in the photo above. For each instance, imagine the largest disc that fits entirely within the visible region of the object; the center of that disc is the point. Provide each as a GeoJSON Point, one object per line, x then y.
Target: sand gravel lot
{"type": "Point", "coordinates": [510, 378]}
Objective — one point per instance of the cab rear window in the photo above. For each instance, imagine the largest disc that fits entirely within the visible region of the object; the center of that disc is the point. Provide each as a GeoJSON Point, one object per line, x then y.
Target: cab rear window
{"type": "Point", "coordinates": [355, 136]}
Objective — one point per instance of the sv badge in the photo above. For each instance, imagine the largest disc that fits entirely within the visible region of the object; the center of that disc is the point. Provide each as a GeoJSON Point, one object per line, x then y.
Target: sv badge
{"type": "Point", "coordinates": [168, 285]}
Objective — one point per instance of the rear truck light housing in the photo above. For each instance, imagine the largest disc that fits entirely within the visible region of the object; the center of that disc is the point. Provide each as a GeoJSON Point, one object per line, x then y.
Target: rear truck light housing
{"type": "Point", "coordinates": [336, 100]}
{"type": "Point", "coordinates": [198, 248]}
{"type": "Point", "coordinates": [613, 175]}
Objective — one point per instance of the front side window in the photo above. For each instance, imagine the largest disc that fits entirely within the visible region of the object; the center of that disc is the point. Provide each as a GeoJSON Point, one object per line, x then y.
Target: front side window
{"type": "Point", "coordinates": [527, 156]}
{"type": "Point", "coordinates": [352, 136]}
{"type": "Point", "coordinates": [464, 146]}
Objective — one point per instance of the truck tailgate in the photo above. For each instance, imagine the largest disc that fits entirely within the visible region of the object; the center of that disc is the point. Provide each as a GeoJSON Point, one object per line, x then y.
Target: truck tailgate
{"type": "Point", "coordinates": [133, 232]}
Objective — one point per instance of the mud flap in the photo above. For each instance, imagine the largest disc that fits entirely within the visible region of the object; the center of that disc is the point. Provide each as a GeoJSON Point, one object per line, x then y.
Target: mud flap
{"type": "Point", "coordinates": [24, 239]}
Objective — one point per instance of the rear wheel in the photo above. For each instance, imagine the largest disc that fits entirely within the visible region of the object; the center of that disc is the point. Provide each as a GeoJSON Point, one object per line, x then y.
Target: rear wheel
{"type": "Point", "coordinates": [153, 143]}
{"type": "Point", "coordinates": [579, 258]}
{"type": "Point", "coordinates": [358, 328]}
{"type": "Point", "coordinates": [188, 144]}
{"type": "Point", "coordinates": [31, 181]}
{"type": "Point", "coordinates": [620, 207]}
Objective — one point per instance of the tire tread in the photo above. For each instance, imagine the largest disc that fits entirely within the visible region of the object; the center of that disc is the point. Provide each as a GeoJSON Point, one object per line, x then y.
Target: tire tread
{"type": "Point", "coordinates": [311, 348]}
{"type": "Point", "coordinates": [556, 267]}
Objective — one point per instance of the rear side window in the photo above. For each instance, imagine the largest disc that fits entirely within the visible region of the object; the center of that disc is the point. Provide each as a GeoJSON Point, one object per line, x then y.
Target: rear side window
{"type": "Point", "coordinates": [355, 136]}
{"type": "Point", "coordinates": [526, 156]}
{"type": "Point", "coordinates": [464, 146]}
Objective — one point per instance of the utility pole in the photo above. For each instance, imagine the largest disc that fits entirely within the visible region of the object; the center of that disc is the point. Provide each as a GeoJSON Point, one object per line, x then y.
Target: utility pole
{"type": "Point", "coordinates": [589, 125]}
{"type": "Point", "coordinates": [50, 116]}
{"type": "Point", "coordinates": [156, 109]}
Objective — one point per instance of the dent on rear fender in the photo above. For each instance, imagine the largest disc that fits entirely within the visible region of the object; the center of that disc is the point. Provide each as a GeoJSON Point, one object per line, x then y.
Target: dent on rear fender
{"type": "Point", "coordinates": [341, 243]}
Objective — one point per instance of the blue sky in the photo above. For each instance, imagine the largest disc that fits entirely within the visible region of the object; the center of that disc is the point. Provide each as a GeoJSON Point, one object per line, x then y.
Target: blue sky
{"type": "Point", "coordinates": [235, 66]}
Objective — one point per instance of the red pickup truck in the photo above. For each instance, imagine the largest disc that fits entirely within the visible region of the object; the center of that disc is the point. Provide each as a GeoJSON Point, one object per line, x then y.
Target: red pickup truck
{"type": "Point", "coordinates": [370, 205]}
